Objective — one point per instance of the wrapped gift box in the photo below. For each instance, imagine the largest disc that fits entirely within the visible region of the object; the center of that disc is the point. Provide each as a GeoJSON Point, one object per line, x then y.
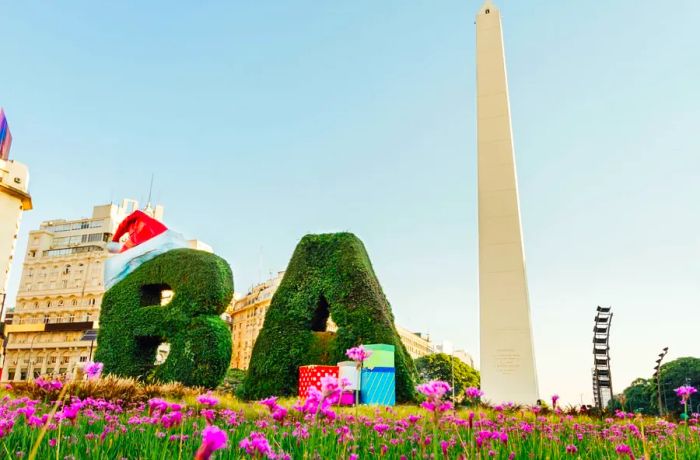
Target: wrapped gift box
{"type": "Point", "coordinates": [382, 355]}
{"type": "Point", "coordinates": [347, 398]}
{"type": "Point", "coordinates": [349, 370]}
{"type": "Point", "coordinates": [311, 376]}
{"type": "Point", "coordinates": [378, 386]}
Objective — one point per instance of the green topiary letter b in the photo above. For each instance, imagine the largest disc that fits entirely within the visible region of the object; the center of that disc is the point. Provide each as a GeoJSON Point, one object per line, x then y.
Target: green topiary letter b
{"type": "Point", "coordinates": [133, 323]}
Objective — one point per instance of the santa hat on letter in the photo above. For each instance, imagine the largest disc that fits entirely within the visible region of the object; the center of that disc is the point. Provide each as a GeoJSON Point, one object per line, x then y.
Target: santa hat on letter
{"type": "Point", "coordinates": [147, 238]}
{"type": "Point", "coordinates": [140, 227]}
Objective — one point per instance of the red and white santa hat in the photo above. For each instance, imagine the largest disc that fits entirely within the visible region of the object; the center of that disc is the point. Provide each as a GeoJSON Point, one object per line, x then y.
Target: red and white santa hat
{"type": "Point", "coordinates": [140, 227]}
{"type": "Point", "coordinates": [147, 238]}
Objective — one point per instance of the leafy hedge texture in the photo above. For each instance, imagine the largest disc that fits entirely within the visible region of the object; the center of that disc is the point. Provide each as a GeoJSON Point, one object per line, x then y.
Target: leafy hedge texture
{"type": "Point", "coordinates": [133, 323]}
{"type": "Point", "coordinates": [329, 274]}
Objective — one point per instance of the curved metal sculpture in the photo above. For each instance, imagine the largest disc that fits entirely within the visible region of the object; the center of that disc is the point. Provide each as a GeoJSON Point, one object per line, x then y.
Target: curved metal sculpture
{"type": "Point", "coordinates": [602, 380]}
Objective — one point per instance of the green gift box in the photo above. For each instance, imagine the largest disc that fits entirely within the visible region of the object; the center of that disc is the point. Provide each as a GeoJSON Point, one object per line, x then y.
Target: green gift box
{"type": "Point", "coordinates": [382, 355]}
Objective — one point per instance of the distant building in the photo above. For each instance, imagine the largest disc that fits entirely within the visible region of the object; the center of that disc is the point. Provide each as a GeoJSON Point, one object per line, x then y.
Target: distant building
{"type": "Point", "coordinates": [447, 348]}
{"type": "Point", "coordinates": [14, 199]}
{"type": "Point", "coordinates": [247, 315]}
{"type": "Point", "coordinates": [60, 293]}
{"type": "Point", "coordinates": [416, 343]}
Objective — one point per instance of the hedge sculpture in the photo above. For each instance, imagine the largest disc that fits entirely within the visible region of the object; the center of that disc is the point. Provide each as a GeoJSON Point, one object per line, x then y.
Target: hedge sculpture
{"type": "Point", "coordinates": [328, 274]}
{"type": "Point", "coordinates": [133, 323]}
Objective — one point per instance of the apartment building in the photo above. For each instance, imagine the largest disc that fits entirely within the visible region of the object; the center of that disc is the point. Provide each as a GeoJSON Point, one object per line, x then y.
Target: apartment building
{"type": "Point", "coordinates": [60, 293]}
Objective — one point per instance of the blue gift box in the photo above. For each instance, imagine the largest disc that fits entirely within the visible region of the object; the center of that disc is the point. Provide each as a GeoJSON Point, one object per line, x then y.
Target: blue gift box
{"type": "Point", "coordinates": [378, 386]}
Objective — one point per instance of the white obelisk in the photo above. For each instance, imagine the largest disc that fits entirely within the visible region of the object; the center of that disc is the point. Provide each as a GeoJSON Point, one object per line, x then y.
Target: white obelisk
{"type": "Point", "coordinates": [507, 355]}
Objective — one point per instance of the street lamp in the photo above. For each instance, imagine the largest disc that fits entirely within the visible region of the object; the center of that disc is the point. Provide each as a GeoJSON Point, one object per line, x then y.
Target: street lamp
{"type": "Point", "coordinates": [91, 335]}
{"type": "Point", "coordinates": [657, 374]}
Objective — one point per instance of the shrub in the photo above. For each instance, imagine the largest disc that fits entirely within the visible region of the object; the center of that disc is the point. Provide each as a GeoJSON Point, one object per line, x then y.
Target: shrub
{"type": "Point", "coordinates": [329, 275]}
{"type": "Point", "coordinates": [233, 379]}
{"type": "Point", "coordinates": [133, 322]}
{"type": "Point", "coordinates": [110, 388]}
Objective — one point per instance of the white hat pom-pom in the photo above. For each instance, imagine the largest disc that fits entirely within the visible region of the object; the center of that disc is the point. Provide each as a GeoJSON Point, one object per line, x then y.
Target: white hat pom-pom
{"type": "Point", "coordinates": [113, 247]}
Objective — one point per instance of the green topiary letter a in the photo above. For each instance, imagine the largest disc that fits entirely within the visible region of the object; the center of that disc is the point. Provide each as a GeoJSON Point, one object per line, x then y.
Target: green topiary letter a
{"type": "Point", "coordinates": [329, 275]}
{"type": "Point", "coordinates": [133, 322]}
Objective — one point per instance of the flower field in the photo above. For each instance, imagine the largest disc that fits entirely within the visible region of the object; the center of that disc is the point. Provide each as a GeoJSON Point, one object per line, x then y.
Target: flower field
{"type": "Point", "coordinates": [217, 426]}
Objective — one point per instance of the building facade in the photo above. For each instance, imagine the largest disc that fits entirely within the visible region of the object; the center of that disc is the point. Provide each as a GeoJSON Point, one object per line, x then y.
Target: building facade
{"type": "Point", "coordinates": [60, 293]}
{"type": "Point", "coordinates": [247, 315]}
{"type": "Point", "coordinates": [417, 344]}
{"type": "Point", "coordinates": [14, 199]}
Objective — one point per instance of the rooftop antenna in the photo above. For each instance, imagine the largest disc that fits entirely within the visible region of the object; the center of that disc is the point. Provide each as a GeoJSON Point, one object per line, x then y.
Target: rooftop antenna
{"type": "Point", "coordinates": [150, 193]}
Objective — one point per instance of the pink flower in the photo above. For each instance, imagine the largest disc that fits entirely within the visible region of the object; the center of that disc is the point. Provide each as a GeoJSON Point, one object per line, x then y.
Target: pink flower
{"type": "Point", "coordinates": [207, 400]}
{"type": "Point", "coordinates": [93, 370]}
{"type": "Point", "coordinates": [270, 402]}
{"type": "Point", "coordinates": [157, 404]}
{"type": "Point", "coordinates": [624, 449]}
{"type": "Point", "coordinates": [70, 412]}
{"type": "Point", "coordinates": [474, 393]}
{"type": "Point", "coordinates": [434, 391]}
{"type": "Point", "coordinates": [358, 354]}
{"type": "Point", "coordinates": [555, 398]}
{"type": "Point", "coordinates": [571, 449]}
{"type": "Point", "coordinates": [278, 412]}
{"type": "Point", "coordinates": [213, 439]}
{"type": "Point", "coordinates": [684, 392]}
{"type": "Point", "coordinates": [52, 442]}
{"type": "Point", "coordinates": [48, 385]}
{"type": "Point", "coordinates": [171, 419]}
{"type": "Point", "coordinates": [256, 445]}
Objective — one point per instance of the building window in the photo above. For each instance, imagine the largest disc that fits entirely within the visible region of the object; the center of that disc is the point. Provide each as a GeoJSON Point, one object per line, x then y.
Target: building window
{"type": "Point", "coordinates": [83, 359]}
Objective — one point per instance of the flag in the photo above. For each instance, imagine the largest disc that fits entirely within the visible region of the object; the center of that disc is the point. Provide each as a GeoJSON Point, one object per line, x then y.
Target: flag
{"type": "Point", "coordinates": [5, 137]}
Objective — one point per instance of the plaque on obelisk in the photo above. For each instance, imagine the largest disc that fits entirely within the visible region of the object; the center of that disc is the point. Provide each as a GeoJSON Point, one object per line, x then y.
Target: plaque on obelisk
{"type": "Point", "coordinates": [507, 355]}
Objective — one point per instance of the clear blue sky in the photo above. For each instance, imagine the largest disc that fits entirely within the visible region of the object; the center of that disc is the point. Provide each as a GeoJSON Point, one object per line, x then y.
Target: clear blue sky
{"type": "Point", "coordinates": [264, 121]}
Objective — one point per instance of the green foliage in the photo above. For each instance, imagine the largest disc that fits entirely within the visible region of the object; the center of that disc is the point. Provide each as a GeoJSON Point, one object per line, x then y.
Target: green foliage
{"type": "Point", "coordinates": [682, 371]}
{"type": "Point", "coordinates": [232, 381]}
{"type": "Point", "coordinates": [133, 323]}
{"type": "Point", "coordinates": [440, 366]}
{"type": "Point", "coordinates": [643, 394]}
{"type": "Point", "coordinates": [636, 398]}
{"type": "Point", "coordinates": [328, 274]}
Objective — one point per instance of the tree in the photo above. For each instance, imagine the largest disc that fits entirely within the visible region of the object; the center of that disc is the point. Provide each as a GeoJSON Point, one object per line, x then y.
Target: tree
{"type": "Point", "coordinates": [642, 394]}
{"type": "Point", "coordinates": [329, 276]}
{"type": "Point", "coordinates": [676, 373]}
{"type": "Point", "coordinates": [439, 366]}
{"type": "Point", "coordinates": [637, 398]}
{"type": "Point", "coordinates": [232, 381]}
